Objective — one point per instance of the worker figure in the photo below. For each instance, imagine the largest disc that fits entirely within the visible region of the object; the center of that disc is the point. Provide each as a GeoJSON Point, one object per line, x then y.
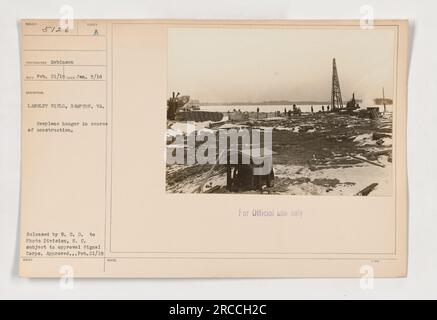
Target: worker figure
{"type": "Point", "coordinates": [323, 108]}
{"type": "Point", "coordinates": [328, 108]}
{"type": "Point", "coordinates": [312, 109]}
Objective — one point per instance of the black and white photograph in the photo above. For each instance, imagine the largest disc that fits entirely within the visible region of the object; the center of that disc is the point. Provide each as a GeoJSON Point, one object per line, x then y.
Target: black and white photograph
{"type": "Point", "coordinates": [317, 103]}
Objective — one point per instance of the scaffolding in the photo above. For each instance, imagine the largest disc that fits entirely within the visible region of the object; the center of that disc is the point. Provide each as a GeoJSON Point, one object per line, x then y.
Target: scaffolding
{"type": "Point", "coordinates": [336, 100]}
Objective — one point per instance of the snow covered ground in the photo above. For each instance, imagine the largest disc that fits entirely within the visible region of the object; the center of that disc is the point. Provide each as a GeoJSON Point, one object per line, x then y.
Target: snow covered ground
{"type": "Point", "coordinates": [320, 154]}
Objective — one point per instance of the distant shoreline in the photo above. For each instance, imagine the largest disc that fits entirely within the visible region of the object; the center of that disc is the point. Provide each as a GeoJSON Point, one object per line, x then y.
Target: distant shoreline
{"type": "Point", "coordinates": [275, 107]}
{"type": "Point", "coordinates": [268, 103]}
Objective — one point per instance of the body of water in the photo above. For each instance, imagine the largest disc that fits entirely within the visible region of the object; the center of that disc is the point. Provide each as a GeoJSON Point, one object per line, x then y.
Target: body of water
{"type": "Point", "coordinates": [271, 108]}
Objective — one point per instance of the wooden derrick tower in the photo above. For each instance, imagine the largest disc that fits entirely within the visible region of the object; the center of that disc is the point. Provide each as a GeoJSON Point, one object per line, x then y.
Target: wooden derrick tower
{"type": "Point", "coordinates": [336, 100]}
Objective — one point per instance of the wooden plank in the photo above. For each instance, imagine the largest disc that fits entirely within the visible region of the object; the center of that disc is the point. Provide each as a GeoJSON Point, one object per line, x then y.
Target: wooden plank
{"type": "Point", "coordinates": [367, 190]}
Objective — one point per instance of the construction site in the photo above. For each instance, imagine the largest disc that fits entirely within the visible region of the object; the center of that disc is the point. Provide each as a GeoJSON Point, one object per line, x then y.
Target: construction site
{"type": "Point", "coordinates": [335, 149]}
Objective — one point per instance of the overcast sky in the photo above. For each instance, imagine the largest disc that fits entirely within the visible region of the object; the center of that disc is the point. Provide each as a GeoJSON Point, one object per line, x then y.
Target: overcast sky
{"type": "Point", "coordinates": [251, 65]}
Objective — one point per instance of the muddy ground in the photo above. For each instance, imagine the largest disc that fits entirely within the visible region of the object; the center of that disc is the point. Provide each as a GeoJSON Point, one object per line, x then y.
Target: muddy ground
{"type": "Point", "coordinates": [315, 154]}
